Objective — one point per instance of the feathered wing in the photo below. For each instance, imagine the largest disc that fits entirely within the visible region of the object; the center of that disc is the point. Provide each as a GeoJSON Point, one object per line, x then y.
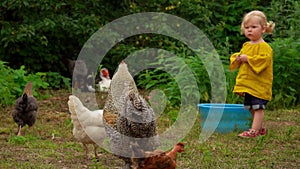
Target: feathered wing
{"type": "Point", "coordinates": [151, 160]}
{"type": "Point", "coordinates": [88, 125]}
{"type": "Point", "coordinates": [156, 159]}
{"type": "Point", "coordinates": [127, 116]}
{"type": "Point", "coordinates": [137, 120]}
{"type": "Point", "coordinates": [104, 84]}
{"type": "Point", "coordinates": [86, 116]}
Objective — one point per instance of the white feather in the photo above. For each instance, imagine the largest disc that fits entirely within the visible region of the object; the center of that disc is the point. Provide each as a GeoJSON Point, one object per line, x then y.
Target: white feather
{"type": "Point", "coordinates": [88, 125]}
{"type": "Point", "coordinates": [104, 84]}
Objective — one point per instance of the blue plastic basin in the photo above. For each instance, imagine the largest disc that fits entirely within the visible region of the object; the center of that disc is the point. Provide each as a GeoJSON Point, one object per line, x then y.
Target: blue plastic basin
{"type": "Point", "coordinates": [227, 117]}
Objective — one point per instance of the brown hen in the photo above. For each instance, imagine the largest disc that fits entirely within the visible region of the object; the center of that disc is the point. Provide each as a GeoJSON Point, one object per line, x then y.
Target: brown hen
{"type": "Point", "coordinates": [157, 159]}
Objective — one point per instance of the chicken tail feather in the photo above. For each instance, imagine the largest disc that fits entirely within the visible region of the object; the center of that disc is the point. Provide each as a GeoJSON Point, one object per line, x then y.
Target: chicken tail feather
{"type": "Point", "coordinates": [28, 89]}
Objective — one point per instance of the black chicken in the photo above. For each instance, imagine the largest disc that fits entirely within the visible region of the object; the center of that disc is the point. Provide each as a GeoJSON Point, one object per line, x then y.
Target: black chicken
{"type": "Point", "coordinates": [25, 110]}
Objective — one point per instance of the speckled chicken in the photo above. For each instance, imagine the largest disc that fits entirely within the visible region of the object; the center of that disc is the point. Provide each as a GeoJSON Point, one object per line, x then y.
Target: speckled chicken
{"type": "Point", "coordinates": [156, 159]}
{"type": "Point", "coordinates": [128, 118]}
{"type": "Point", "coordinates": [88, 125]}
{"type": "Point", "coordinates": [25, 110]}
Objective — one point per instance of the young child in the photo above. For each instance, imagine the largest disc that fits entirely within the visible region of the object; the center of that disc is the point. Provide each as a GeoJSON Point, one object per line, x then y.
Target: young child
{"type": "Point", "coordinates": [255, 76]}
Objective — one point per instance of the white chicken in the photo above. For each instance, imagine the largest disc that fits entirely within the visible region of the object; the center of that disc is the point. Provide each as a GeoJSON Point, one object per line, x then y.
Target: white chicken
{"type": "Point", "coordinates": [88, 125]}
{"type": "Point", "coordinates": [104, 84]}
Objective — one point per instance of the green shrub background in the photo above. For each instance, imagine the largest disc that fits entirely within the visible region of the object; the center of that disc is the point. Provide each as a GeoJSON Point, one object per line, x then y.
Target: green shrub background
{"type": "Point", "coordinates": [38, 37]}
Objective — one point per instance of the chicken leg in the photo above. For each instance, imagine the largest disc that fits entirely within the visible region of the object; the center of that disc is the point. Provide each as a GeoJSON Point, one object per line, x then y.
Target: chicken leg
{"type": "Point", "coordinates": [87, 151]}
{"type": "Point", "coordinates": [128, 163]}
{"type": "Point", "coordinates": [96, 152]}
{"type": "Point", "coordinates": [19, 130]}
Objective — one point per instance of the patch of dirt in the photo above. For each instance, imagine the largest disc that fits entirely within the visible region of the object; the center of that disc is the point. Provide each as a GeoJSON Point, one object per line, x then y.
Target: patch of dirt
{"type": "Point", "coordinates": [49, 143]}
{"type": "Point", "coordinates": [275, 124]}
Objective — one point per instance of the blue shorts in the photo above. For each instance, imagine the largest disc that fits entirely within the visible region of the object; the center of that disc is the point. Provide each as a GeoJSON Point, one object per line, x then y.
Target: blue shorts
{"type": "Point", "coordinates": [251, 102]}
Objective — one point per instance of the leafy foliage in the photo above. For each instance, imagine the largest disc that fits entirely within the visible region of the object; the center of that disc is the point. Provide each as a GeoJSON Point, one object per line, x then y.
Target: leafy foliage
{"type": "Point", "coordinates": [13, 81]}
{"type": "Point", "coordinates": [286, 15]}
{"type": "Point", "coordinates": [286, 84]}
{"type": "Point", "coordinates": [175, 75]}
{"type": "Point", "coordinates": [42, 35]}
{"type": "Point", "coordinates": [56, 81]}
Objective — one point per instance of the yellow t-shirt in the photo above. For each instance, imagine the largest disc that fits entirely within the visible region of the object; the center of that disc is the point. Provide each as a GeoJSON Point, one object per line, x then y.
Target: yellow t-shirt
{"type": "Point", "coordinates": [255, 76]}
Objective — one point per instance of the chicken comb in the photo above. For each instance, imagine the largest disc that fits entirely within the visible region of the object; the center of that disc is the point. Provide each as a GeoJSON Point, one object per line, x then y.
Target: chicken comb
{"type": "Point", "coordinates": [105, 72]}
{"type": "Point", "coordinates": [28, 89]}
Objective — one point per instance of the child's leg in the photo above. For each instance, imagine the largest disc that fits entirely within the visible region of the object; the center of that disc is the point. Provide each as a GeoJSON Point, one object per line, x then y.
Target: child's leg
{"type": "Point", "coordinates": [256, 106]}
{"type": "Point", "coordinates": [258, 119]}
{"type": "Point", "coordinates": [252, 113]}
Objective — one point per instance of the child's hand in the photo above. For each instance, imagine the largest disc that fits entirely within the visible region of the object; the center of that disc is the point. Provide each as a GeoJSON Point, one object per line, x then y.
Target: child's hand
{"type": "Point", "coordinates": [242, 58]}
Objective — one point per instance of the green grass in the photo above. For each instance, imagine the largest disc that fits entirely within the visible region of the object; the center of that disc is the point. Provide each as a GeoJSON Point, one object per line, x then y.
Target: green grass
{"type": "Point", "coordinates": [37, 148]}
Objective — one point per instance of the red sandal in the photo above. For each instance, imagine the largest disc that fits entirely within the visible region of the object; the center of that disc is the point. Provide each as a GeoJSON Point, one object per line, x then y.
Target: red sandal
{"type": "Point", "coordinates": [263, 131]}
{"type": "Point", "coordinates": [251, 133]}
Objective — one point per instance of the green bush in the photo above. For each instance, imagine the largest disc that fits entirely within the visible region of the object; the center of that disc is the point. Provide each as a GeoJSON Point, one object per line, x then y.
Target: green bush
{"type": "Point", "coordinates": [57, 81]}
{"type": "Point", "coordinates": [42, 35]}
{"type": "Point", "coordinates": [286, 68]}
{"type": "Point", "coordinates": [173, 75]}
{"type": "Point", "coordinates": [13, 81]}
{"type": "Point", "coordinates": [286, 85]}
{"type": "Point", "coordinates": [286, 15]}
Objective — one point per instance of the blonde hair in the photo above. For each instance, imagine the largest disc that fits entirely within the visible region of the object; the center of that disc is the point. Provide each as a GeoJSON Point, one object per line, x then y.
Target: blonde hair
{"type": "Point", "coordinates": [262, 20]}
